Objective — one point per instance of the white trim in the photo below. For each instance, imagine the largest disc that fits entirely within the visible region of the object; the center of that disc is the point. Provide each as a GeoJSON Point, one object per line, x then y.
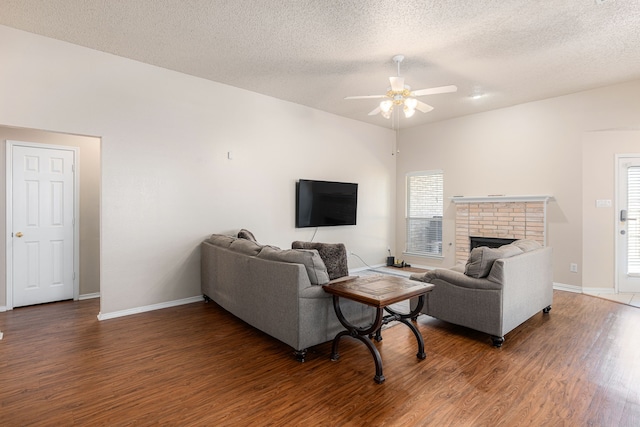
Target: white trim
{"type": "Point", "coordinates": [500, 198]}
{"type": "Point", "coordinates": [9, 214]}
{"type": "Point", "coordinates": [367, 267]}
{"type": "Point", "coordinates": [423, 255]}
{"type": "Point", "coordinates": [143, 309]}
{"type": "Point", "coordinates": [599, 291]}
{"type": "Point", "coordinates": [616, 245]}
{"type": "Point", "coordinates": [89, 296]}
{"type": "Point", "coordinates": [581, 290]}
{"type": "Point", "coordinates": [567, 288]}
{"type": "Point", "coordinates": [3, 308]}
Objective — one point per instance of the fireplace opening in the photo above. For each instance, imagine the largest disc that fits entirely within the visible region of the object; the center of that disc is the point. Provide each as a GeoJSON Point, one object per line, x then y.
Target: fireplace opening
{"type": "Point", "coordinates": [491, 242]}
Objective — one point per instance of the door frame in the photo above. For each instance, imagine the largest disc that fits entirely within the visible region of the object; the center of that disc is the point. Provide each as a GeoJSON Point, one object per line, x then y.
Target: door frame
{"type": "Point", "coordinates": [618, 255]}
{"type": "Point", "coordinates": [9, 215]}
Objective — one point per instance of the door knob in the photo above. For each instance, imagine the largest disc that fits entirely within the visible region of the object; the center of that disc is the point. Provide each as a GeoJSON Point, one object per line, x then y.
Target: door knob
{"type": "Point", "coordinates": [19, 234]}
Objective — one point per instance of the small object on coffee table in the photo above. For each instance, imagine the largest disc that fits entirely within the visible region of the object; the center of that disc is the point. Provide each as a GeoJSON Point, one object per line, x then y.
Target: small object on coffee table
{"type": "Point", "coordinates": [379, 292]}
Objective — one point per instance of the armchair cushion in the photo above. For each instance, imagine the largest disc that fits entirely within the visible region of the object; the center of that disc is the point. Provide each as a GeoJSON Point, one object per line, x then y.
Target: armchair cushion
{"type": "Point", "coordinates": [527, 245]}
{"type": "Point", "coordinates": [455, 278]}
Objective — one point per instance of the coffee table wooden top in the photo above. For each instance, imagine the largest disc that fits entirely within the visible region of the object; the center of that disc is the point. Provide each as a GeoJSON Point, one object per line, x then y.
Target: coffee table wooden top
{"type": "Point", "coordinates": [377, 291]}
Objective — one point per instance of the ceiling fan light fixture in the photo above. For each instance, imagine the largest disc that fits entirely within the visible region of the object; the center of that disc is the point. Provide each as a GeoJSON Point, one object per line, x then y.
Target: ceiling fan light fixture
{"type": "Point", "coordinates": [409, 112]}
{"type": "Point", "coordinates": [386, 106]}
{"type": "Point", "coordinates": [401, 95]}
{"type": "Point", "coordinates": [411, 103]}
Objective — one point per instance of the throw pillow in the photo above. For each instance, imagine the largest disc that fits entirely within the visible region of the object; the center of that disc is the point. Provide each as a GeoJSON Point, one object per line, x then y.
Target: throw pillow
{"type": "Point", "coordinates": [246, 234]}
{"type": "Point", "coordinates": [311, 260]}
{"type": "Point", "coordinates": [334, 256]}
{"type": "Point", "coordinates": [481, 259]}
{"type": "Point", "coordinates": [246, 247]}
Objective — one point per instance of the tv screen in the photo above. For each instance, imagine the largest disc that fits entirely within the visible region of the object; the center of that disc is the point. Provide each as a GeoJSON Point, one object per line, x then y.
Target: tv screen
{"type": "Point", "coordinates": [325, 203]}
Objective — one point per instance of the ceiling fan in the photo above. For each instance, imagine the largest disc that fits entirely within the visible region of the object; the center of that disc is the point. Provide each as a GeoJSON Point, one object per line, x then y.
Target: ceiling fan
{"type": "Point", "coordinates": [401, 94]}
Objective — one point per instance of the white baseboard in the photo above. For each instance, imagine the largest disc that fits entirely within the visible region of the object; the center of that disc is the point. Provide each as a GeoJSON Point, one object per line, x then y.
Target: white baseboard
{"type": "Point", "coordinates": [598, 291]}
{"type": "Point", "coordinates": [581, 290]}
{"type": "Point", "coordinates": [88, 296]}
{"type": "Point", "coordinates": [567, 288]}
{"type": "Point", "coordinates": [137, 310]}
{"type": "Point", "coordinates": [3, 308]}
{"type": "Point", "coordinates": [369, 267]}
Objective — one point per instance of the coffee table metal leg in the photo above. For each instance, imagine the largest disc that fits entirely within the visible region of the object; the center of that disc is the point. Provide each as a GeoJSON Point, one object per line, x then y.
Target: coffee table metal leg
{"type": "Point", "coordinates": [421, 354]}
{"type": "Point", "coordinates": [360, 334]}
{"type": "Point", "coordinates": [404, 318]}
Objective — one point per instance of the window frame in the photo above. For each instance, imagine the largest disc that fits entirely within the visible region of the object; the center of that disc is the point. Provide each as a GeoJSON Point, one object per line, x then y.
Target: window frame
{"type": "Point", "coordinates": [410, 244]}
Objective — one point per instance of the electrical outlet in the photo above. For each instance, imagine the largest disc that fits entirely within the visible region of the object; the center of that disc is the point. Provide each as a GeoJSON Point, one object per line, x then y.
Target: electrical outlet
{"type": "Point", "coordinates": [573, 267]}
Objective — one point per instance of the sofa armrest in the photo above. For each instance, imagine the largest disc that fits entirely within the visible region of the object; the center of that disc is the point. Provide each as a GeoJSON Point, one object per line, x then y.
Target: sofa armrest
{"type": "Point", "coordinates": [316, 291]}
{"type": "Point", "coordinates": [456, 278]}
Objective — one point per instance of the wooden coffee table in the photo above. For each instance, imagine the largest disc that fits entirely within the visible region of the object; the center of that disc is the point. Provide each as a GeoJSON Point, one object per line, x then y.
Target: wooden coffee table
{"type": "Point", "coordinates": [379, 292]}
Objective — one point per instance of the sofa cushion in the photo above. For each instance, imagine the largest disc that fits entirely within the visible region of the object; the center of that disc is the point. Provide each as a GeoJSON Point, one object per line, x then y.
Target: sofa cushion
{"type": "Point", "coordinates": [246, 234]}
{"type": "Point", "coordinates": [310, 258]}
{"type": "Point", "coordinates": [481, 259]}
{"type": "Point", "coordinates": [527, 245]}
{"type": "Point", "coordinates": [221, 240]}
{"type": "Point", "coordinates": [334, 256]}
{"type": "Point", "coordinates": [246, 247]}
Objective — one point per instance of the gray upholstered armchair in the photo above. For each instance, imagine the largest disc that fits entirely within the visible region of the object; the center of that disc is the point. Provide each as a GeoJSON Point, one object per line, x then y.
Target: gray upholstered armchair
{"type": "Point", "coordinates": [496, 291]}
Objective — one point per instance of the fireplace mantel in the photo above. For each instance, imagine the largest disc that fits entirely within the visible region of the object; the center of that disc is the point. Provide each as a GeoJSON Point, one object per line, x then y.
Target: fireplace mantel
{"type": "Point", "coordinates": [500, 199]}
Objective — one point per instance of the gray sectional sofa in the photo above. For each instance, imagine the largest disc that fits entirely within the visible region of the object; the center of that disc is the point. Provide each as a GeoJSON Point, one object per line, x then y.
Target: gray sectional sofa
{"type": "Point", "coordinates": [496, 291]}
{"type": "Point", "coordinates": [278, 291]}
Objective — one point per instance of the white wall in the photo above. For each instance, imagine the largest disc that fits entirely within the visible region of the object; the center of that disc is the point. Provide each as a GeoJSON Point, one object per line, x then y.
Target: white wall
{"type": "Point", "coordinates": [166, 180]}
{"type": "Point", "coordinates": [533, 148]}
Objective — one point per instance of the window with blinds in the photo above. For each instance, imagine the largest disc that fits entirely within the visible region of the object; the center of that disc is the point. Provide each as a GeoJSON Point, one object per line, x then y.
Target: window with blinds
{"type": "Point", "coordinates": [633, 224]}
{"type": "Point", "coordinates": [424, 212]}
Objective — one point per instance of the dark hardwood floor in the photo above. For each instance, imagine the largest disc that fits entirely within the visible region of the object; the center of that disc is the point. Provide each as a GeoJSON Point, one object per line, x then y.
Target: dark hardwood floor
{"type": "Point", "coordinates": [197, 365]}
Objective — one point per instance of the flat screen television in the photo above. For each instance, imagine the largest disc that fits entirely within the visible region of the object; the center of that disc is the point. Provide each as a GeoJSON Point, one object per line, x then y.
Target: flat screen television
{"type": "Point", "coordinates": [325, 203]}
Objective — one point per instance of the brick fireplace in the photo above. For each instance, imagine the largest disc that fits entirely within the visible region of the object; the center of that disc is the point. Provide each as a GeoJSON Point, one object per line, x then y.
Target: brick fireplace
{"type": "Point", "coordinates": [504, 217]}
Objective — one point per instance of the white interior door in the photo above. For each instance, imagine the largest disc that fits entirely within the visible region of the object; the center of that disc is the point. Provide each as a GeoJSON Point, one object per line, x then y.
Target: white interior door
{"type": "Point", "coordinates": [628, 229]}
{"type": "Point", "coordinates": [42, 225]}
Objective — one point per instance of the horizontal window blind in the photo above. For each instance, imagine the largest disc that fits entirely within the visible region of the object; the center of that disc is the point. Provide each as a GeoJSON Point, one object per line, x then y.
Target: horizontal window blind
{"type": "Point", "coordinates": [633, 223]}
{"type": "Point", "coordinates": [424, 212]}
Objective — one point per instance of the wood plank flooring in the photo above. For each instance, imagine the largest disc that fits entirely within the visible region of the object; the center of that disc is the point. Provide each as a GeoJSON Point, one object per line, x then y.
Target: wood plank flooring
{"type": "Point", "coordinates": [197, 365]}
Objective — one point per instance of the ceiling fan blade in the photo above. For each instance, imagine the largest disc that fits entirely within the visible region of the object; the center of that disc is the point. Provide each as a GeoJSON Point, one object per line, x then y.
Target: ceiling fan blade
{"type": "Point", "coordinates": [397, 83]}
{"type": "Point", "coordinates": [374, 112]}
{"type": "Point", "coordinates": [365, 97]}
{"type": "Point", "coordinates": [434, 90]}
{"type": "Point", "coordinates": [425, 108]}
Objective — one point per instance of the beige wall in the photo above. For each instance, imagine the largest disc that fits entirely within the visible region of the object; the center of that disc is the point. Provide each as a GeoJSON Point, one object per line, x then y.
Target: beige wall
{"type": "Point", "coordinates": [599, 223]}
{"type": "Point", "coordinates": [530, 149]}
{"type": "Point", "coordinates": [166, 181]}
{"type": "Point", "coordinates": [89, 173]}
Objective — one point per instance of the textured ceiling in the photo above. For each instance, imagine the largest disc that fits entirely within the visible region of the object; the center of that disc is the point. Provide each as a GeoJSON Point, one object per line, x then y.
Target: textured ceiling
{"type": "Point", "coordinates": [317, 52]}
